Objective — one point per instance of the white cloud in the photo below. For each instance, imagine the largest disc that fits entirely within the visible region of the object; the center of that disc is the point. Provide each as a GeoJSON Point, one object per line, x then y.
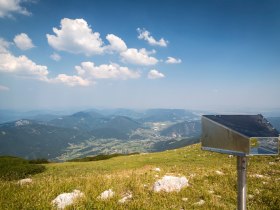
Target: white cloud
{"type": "Point", "coordinates": [172, 60]}
{"type": "Point", "coordinates": [146, 35]}
{"type": "Point", "coordinates": [139, 57]}
{"type": "Point", "coordinates": [154, 74]}
{"type": "Point", "coordinates": [70, 80]}
{"type": "Point", "coordinates": [22, 66]}
{"type": "Point", "coordinates": [8, 7]}
{"type": "Point", "coordinates": [23, 42]}
{"type": "Point", "coordinates": [76, 36]}
{"type": "Point", "coordinates": [55, 57]}
{"type": "Point", "coordinates": [4, 45]}
{"type": "Point", "coordinates": [111, 71]}
{"type": "Point", "coordinates": [4, 88]}
{"type": "Point", "coordinates": [116, 43]}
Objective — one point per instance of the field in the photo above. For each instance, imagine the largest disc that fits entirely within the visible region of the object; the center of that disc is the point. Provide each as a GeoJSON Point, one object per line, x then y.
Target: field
{"type": "Point", "coordinates": [212, 178]}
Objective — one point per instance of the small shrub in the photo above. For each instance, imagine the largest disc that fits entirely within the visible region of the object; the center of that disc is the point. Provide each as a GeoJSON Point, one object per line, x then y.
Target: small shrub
{"type": "Point", "coordinates": [14, 168]}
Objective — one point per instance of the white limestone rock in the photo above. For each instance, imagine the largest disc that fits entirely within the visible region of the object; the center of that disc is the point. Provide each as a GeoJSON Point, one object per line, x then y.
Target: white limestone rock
{"type": "Point", "coordinates": [66, 199]}
{"type": "Point", "coordinates": [106, 194]}
{"type": "Point", "coordinates": [126, 197]}
{"type": "Point", "coordinates": [170, 184]}
{"type": "Point", "coordinates": [25, 181]}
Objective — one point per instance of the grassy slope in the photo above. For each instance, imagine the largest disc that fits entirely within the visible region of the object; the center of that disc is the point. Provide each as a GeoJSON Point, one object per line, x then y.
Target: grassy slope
{"type": "Point", "coordinates": [130, 173]}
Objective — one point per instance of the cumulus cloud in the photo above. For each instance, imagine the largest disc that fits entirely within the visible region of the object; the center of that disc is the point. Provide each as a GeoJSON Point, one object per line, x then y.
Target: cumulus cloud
{"type": "Point", "coordinates": [8, 7]}
{"type": "Point", "coordinates": [139, 57]}
{"type": "Point", "coordinates": [70, 80]}
{"type": "Point", "coordinates": [4, 88]}
{"type": "Point", "coordinates": [104, 71]}
{"type": "Point", "coordinates": [172, 60]}
{"type": "Point", "coordinates": [154, 74]}
{"type": "Point", "coordinates": [146, 35]}
{"type": "Point", "coordinates": [23, 42]}
{"type": "Point", "coordinates": [116, 43]}
{"type": "Point", "coordinates": [22, 66]}
{"type": "Point", "coordinates": [4, 45]}
{"type": "Point", "coordinates": [76, 36]}
{"type": "Point", "coordinates": [55, 57]}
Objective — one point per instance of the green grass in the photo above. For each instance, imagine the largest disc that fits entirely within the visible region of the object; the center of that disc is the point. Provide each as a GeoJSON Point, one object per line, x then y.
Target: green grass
{"type": "Point", "coordinates": [131, 173]}
{"type": "Point", "coordinates": [13, 168]}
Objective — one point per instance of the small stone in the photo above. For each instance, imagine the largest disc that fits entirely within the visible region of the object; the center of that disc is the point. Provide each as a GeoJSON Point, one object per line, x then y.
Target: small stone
{"type": "Point", "coordinates": [127, 196]}
{"type": "Point", "coordinates": [157, 169]}
{"type": "Point", "coordinates": [219, 173]}
{"type": "Point", "coordinates": [106, 194]}
{"type": "Point", "coordinates": [170, 184]}
{"type": "Point", "coordinates": [258, 176]}
{"type": "Point", "coordinates": [25, 181]}
{"type": "Point", "coordinates": [199, 203]}
{"type": "Point", "coordinates": [66, 199]}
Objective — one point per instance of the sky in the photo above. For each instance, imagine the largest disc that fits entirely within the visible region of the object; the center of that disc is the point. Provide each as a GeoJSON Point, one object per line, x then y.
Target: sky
{"type": "Point", "coordinates": [191, 54]}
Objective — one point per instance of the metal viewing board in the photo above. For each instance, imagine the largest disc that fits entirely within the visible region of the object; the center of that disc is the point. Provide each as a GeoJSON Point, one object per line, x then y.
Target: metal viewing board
{"type": "Point", "coordinates": [240, 135]}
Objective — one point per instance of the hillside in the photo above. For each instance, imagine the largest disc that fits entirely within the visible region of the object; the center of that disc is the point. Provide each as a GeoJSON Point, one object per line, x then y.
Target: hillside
{"type": "Point", "coordinates": [93, 132]}
{"type": "Point", "coordinates": [183, 129]}
{"type": "Point", "coordinates": [212, 178]}
{"type": "Point", "coordinates": [30, 139]}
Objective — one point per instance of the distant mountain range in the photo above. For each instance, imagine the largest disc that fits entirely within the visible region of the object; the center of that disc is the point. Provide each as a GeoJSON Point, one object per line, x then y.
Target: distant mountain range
{"type": "Point", "coordinates": [49, 136]}
{"type": "Point", "coordinates": [90, 132]}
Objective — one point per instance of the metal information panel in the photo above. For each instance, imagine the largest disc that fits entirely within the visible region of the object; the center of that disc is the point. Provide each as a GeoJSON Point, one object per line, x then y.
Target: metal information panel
{"type": "Point", "coordinates": [240, 135]}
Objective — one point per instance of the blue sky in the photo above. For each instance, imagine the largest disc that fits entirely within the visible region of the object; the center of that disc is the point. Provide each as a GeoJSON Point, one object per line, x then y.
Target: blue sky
{"type": "Point", "coordinates": [140, 54]}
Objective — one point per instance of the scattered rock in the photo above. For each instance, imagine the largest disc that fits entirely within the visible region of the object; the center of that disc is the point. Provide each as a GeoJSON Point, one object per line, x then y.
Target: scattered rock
{"type": "Point", "coordinates": [127, 196]}
{"type": "Point", "coordinates": [250, 196]}
{"type": "Point", "coordinates": [25, 181]}
{"type": "Point", "coordinates": [199, 203]}
{"type": "Point", "coordinates": [156, 176]}
{"type": "Point", "coordinates": [170, 184]}
{"type": "Point", "coordinates": [185, 199]}
{"type": "Point", "coordinates": [211, 191]}
{"type": "Point", "coordinates": [219, 173]}
{"type": "Point", "coordinates": [106, 194]}
{"type": "Point", "coordinates": [157, 169]}
{"type": "Point", "coordinates": [271, 163]}
{"type": "Point", "coordinates": [66, 199]}
{"type": "Point", "coordinates": [257, 176]}
{"type": "Point", "coordinates": [230, 156]}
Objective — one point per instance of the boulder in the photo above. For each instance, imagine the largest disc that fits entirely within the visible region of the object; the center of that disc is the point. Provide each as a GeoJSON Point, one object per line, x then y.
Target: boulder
{"type": "Point", "coordinates": [66, 199]}
{"type": "Point", "coordinates": [170, 184]}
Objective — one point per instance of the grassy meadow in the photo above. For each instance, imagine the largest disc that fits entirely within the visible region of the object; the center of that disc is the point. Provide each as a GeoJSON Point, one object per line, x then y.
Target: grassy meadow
{"type": "Point", "coordinates": [135, 174]}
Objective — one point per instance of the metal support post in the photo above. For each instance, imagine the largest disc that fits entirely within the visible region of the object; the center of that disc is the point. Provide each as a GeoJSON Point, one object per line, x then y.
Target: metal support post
{"type": "Point", "coordinates": [241, 182]}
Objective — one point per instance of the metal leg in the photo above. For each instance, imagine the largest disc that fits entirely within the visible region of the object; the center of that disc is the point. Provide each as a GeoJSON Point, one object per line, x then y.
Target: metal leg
{"type": "Point", "coordinates": [241, 182]}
